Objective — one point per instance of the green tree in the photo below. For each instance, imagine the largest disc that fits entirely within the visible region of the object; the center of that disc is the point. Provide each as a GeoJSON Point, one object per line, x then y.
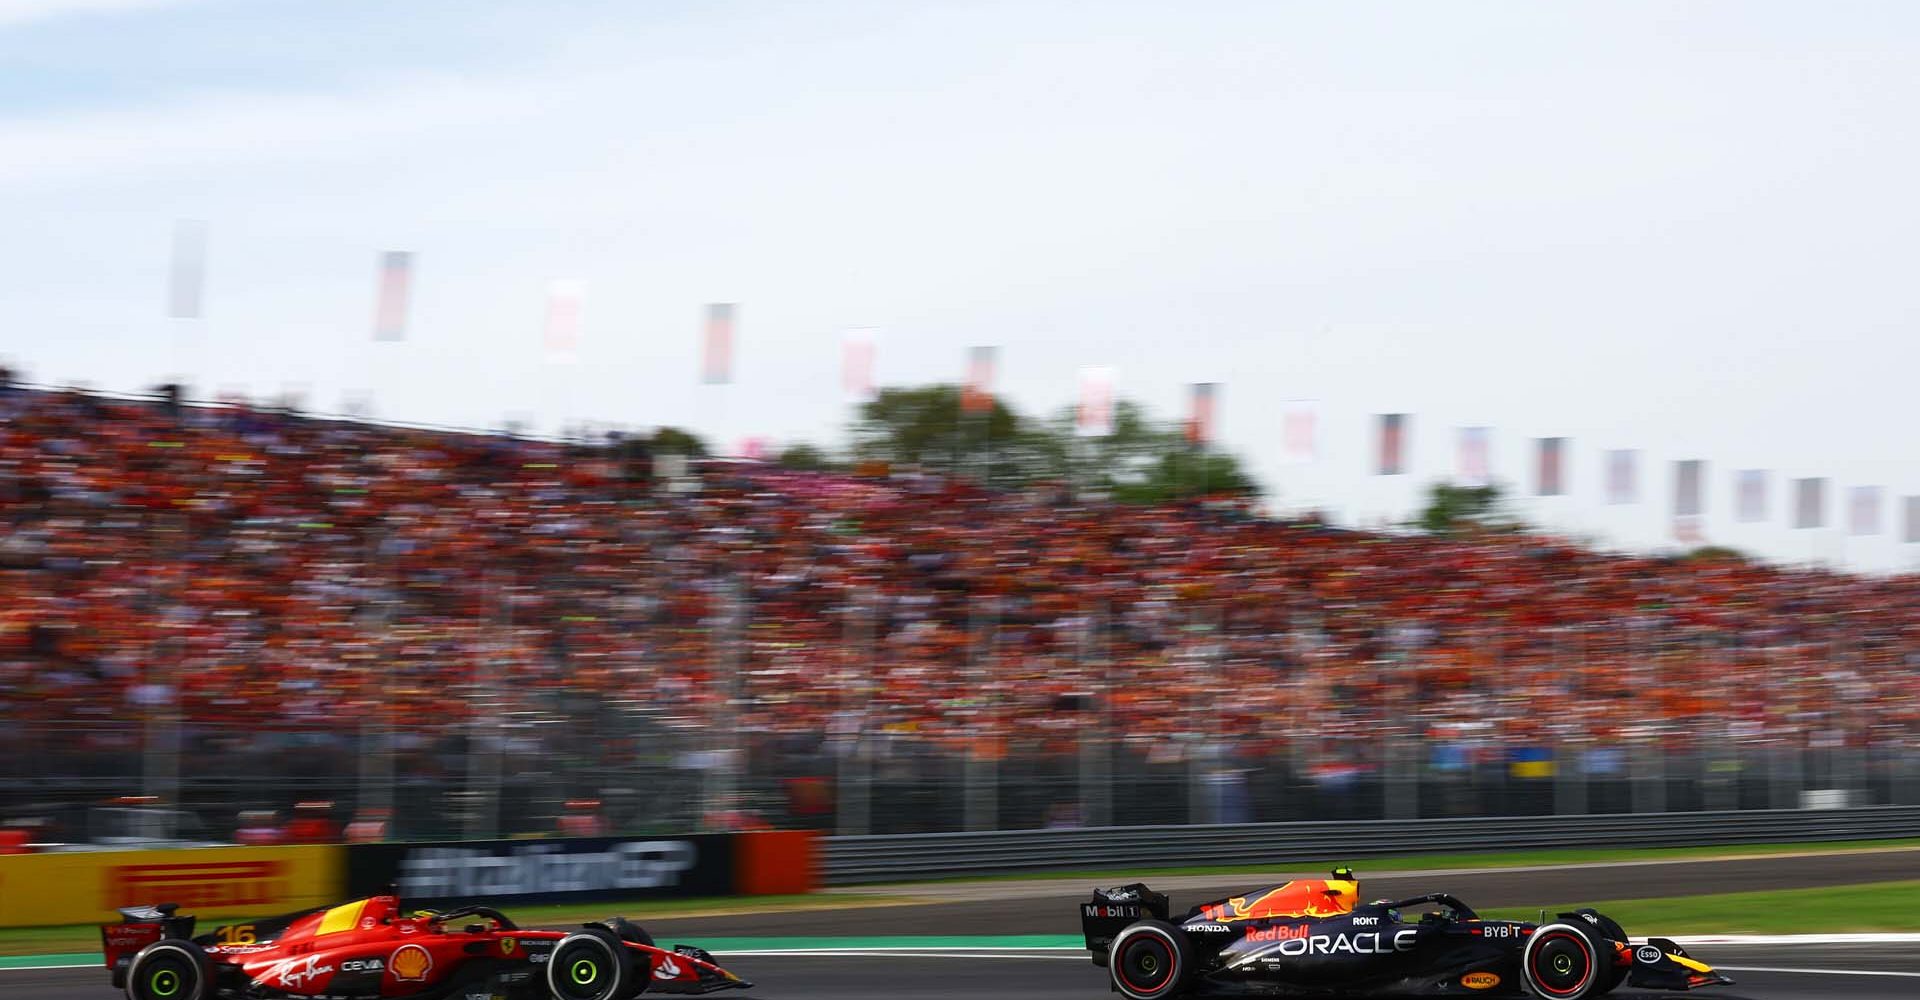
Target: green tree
{"type": "Point", "coordinates": [1142, 461]}
{"type": "Point", "coordinates": [805, 457]}
{"type": "Point", "coordinates": [924, 427]}
{"type": "Point", "coordinates": [1451, 509]}
{"type": "Point", "coordinates": [674, 441]}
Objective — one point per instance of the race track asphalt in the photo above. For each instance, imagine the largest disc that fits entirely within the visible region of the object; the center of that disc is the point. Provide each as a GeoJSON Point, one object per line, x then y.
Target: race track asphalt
{"type": "Point", "coordinates": [1773, 972]}
{"type": "Point", "coordinates": [1051, 977]}
{"type": "Point", "coordinates": [1051, 906]}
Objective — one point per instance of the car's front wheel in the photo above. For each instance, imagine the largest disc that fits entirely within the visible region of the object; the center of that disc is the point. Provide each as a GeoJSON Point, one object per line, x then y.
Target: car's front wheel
{"type": "Point", "coordinates": [168, 969]}
{"type": "Point", "coordinates": [1149, 960]}
{"type": "Point", "coordinates": [1566, 961]}
{"type": "Point", "coordinates": [593, 964]}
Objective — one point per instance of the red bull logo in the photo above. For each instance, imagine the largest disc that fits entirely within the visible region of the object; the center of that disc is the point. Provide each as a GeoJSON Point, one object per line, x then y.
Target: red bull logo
{"type": "Point", "coordinates": [1299, 898]}
{"type": "Point", "coordinates": [1276, 933]}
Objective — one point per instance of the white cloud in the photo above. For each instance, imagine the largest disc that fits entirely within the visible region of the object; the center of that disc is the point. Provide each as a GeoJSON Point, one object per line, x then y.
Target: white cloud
{"type": "Point", "coordinates": [16, 12]}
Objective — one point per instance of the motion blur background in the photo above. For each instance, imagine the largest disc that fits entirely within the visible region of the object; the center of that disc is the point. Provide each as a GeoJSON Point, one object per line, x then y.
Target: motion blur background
{"type": "Point", "coordinates": [439, 420]}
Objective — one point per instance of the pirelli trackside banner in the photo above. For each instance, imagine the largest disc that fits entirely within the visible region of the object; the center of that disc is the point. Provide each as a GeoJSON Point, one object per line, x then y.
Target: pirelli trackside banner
{"type": "Point", "coordinates": [87, 887]}
{"type": "Point", "coordinates": [544, 870]}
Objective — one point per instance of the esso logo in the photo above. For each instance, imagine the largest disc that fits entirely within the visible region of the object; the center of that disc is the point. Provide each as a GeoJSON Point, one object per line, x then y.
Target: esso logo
{"type": "Point", "coordinates": [1647, 953]}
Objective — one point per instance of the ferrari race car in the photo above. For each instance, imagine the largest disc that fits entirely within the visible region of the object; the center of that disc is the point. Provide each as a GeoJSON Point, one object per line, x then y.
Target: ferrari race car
{"type": "Point", "coordinates": [370, 949]}
{"type": "Point", "coordinates": [1307, 937]}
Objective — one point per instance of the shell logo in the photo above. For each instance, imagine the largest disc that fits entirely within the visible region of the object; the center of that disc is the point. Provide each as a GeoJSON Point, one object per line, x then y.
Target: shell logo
{"type": "Point", "coordinates": [1479, 980]}
{"type": "Point", "coordinates": [410, 963]}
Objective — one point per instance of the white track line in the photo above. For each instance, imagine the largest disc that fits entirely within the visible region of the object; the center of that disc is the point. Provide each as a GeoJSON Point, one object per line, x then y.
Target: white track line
{"type": "Point", "coordinates": [1816, 972]}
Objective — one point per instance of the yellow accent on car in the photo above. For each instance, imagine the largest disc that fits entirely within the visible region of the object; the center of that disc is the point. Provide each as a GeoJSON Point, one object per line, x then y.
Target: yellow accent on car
{"type": "Point", "coordinates": [1691, 964]}
{"type": "Point", "coordinates": [341, 918]}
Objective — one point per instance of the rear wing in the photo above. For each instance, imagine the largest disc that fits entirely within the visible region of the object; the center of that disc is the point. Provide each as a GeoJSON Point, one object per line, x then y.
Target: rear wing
{"type": "Point", "coordinates": [140, 926]}
{"type": "Point", "coordinates": [1111, 910]}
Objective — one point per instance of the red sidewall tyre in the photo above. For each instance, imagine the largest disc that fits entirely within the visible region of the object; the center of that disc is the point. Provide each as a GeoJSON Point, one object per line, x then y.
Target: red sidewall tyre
{"type": "Point", "coordinates": [1149, 960]}
{"type": "Point", "coordinates": [1565, 962]}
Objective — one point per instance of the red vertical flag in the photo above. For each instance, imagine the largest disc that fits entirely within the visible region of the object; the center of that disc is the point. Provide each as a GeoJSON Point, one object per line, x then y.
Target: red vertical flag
{"type": "Point", "coordinates": [717, 350]}
{"type": "Point", "coordinates": [1200, 420]}
{"type": "Point", "coordinates": [977, 395]}
{"type": "Point", "coordinates": [1393, 444]}
{"type": "Point", "coordinates": [395, 281]}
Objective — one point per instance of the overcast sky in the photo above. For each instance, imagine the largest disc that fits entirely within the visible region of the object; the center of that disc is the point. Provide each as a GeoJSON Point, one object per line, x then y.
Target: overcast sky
{"type": "Point", "coordinates": [1686, 228]}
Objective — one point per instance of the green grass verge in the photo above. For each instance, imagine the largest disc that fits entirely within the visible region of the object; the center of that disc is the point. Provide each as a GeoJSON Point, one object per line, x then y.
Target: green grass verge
{"type": "Point", "coordinates": [1422, 862]}
{"type": "Point", "coordinates": [1837, 909]}
{"type": "Point", "coordinates": [86, 937]}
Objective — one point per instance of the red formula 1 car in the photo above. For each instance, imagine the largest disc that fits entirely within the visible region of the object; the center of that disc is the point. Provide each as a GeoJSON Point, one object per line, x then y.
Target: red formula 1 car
{"type": "Point", "coordinates": [369, 949]}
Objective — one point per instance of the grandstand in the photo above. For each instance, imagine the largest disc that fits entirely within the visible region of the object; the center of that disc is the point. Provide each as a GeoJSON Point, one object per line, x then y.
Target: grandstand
{"type": "Point", "coordinates": [467, 631]}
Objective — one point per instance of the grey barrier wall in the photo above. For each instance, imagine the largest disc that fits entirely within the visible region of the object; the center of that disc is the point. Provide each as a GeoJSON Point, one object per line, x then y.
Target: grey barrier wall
{"type": "Point", "coordinates": [857, 860]}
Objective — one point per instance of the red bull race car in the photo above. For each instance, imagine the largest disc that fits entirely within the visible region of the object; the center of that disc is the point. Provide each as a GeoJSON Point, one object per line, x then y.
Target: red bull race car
{"type": "Point", "coordinates": [1310, 937]}
{"type": "Point", "coordinates": [370, 949]}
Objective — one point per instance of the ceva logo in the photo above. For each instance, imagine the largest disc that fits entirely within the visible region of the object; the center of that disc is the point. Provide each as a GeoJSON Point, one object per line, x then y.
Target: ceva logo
{"type": "Point", "coordinates": [1276, 933]}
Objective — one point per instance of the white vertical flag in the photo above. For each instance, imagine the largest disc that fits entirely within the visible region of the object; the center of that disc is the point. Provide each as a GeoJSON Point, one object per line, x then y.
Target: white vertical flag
{"type": "Point", "coordinates": [1475, 461]}
{"type": "Point", "coordinates": [716, 354]}
{"type": "Point", "coordinates": [1300, 431]}
{"type": "Point", "coordinates": [1750, 495]}
{"type": "Point", "coordinates": [1094, 416]}
{"type": "Point", "coordinates": [1863, 510]}
{"type": "Point", "coordinates": [390, 300]}
{"type": "Point", "coordinates": [561, 336]}
{"type": "Point", "coordinates": [1809, 503]}
{"type": "Point", "coordinates": [1689, 498]}
{"type": "Point", "coordinates": [856, 364]}
{"type": "Point", "coordinates": [1623, 476]}
{"type": "Point", "coordinates": [187, 276]}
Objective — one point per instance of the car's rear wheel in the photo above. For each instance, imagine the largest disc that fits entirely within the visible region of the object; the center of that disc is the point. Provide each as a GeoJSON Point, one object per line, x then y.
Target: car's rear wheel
{"type": "Point", "coordinates": [593, 964]}
{"type": "Point", "coordinates": [1149, 960]}
{"type": "Point", "coordinates": [1566, 961]}
{"type": "Point", "coordinates": [168, 970]}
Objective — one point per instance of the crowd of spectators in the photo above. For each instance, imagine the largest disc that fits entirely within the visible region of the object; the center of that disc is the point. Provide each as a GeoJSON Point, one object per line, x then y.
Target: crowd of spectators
{"type": "Point", "coordinates": [259, 571]}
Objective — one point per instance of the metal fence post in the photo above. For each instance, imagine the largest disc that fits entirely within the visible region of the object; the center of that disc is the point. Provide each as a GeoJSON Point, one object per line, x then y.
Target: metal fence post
{"type": "Point", "coordinates": [981, 774]}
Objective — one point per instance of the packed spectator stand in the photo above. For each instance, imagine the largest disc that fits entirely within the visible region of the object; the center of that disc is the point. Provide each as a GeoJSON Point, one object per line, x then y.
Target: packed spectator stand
{"type": "Point", "coordinates": [282, 588]}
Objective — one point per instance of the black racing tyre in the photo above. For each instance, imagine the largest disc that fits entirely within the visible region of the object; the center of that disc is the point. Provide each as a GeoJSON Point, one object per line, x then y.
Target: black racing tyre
{"type": "Point", "coordinates": [626, 930]}
{"type": "Point", "coordinates": [1149, 960]}
{"type": "Point", "coordinates": [1615, 972]}
{"type": "Point", "coordinates": [169, 969]}
{"type": "Point", "coordinates": [593, 964]}
{"type": "Point", "coordinates": [1566, 961]}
